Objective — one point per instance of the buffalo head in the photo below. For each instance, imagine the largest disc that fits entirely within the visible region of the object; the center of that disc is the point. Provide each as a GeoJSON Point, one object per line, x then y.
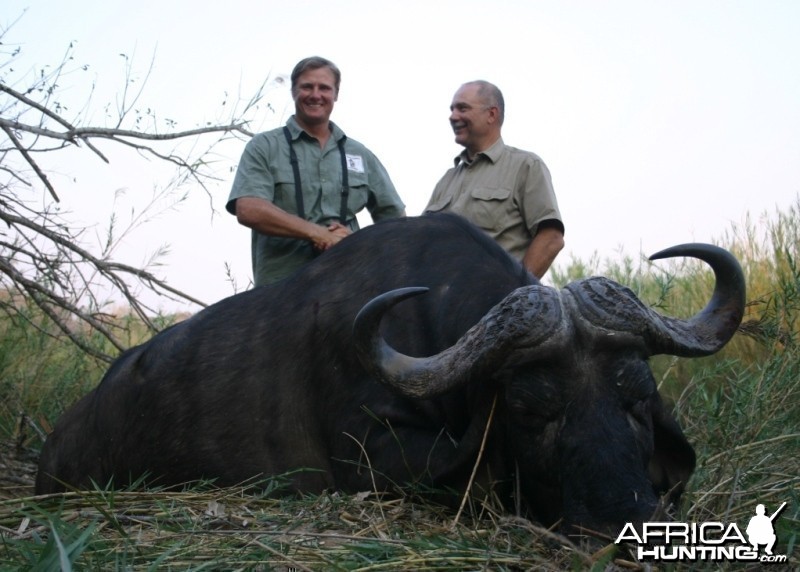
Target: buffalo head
{"type": "Point", "coordinates": [579, 417]}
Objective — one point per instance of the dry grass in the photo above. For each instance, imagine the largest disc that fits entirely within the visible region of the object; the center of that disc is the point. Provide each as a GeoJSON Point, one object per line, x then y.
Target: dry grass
{"type": "Point", "coordinates": [232, 529]}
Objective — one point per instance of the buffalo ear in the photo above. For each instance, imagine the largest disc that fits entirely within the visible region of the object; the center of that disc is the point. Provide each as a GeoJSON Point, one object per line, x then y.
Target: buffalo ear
{"type": "Point", "coordinates": [673, 458]}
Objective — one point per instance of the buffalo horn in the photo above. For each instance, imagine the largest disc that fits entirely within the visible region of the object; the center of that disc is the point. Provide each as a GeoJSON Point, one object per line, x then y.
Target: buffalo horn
{"type": "Point", "coordinates": [605, 306]}
{"type": "Point", "coordinates": [710, 329]}
{"type": "Point", "coordinates": [523, 319]}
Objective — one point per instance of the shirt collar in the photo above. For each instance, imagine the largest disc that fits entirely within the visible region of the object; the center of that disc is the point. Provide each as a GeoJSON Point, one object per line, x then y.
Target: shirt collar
{"type": "Point", "coordinates": [296, 130]}
{"type": "Point", "coordinates": [492, 154]}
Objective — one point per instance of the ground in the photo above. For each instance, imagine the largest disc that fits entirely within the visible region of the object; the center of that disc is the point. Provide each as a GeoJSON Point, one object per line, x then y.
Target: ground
{"type": "Point", "coordinates": [17, 470]}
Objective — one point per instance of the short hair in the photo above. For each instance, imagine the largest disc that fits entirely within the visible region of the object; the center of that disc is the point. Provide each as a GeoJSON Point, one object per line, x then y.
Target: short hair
{"type": "Point", "coordinates": [492, 95]}
{"type": "Point", "coordinates": [313, 63]}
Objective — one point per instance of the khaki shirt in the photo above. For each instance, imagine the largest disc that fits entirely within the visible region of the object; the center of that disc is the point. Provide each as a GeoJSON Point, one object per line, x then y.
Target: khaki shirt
{"type": "Point", "coordinates": [505, 191]}
{"type": "Point", "coordinates": [265, 172]}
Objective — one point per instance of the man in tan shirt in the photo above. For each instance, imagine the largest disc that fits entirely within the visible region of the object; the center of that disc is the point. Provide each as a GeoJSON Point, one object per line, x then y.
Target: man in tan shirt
{"type": "Point", "coordinates": [505, 191]}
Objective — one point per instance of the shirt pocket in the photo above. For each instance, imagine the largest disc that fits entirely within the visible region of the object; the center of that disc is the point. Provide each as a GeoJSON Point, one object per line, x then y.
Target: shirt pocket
{"type": "Point", "coordinates": [357, 197]}
{"type": "Point", "coordinates": [490, 206]}
{"type": "Point", "coordinates": [285, 190]}
{"type": "Point", "coordinates": [358, 194]}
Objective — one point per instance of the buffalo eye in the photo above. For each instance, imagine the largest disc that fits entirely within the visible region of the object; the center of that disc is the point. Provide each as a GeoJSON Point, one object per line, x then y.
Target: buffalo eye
{"type": "Point", "coordinates": [632, 381]}
{"type": "Point", "coordinates": [640, 412]}
{"type": "Point", "coordinates": [533, 399]}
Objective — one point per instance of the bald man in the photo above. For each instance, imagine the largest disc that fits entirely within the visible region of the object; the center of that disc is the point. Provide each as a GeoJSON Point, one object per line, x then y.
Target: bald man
{"type": "Point", "coordinates": [505, 191]}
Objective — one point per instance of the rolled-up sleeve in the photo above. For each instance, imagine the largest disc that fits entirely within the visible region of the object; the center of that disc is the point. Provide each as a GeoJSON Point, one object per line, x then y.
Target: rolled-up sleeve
{"type": "Point", "coordinates": [253, 176]}
{"type": "Point", "coordinates": [384, 202]}
{"type": "Point", "coordinates": [535, 194]}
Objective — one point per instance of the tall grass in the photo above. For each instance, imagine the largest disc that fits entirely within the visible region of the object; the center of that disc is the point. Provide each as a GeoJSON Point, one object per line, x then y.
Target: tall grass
{"type": "Point", "coordinates": [739, 408]}
{"type": "Point", "coordinates": [42, 373]}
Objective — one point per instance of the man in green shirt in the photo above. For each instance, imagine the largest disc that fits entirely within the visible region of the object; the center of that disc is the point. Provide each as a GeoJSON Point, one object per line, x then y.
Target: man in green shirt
{"type": "Point", "coordinates": [505, 191]}
{"type": "Point", "coordinates": [299, 187]}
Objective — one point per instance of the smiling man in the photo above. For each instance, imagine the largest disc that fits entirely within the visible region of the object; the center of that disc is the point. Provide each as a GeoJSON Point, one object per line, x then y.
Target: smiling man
{"type": "Point", "coordinates": [298, 188]}
{"type": "Point", "coordinates": [505, 191]}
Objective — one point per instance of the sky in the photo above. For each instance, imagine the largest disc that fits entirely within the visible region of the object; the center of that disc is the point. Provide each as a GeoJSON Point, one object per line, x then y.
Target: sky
{"type": "Point", "coordinates": [661, 122]}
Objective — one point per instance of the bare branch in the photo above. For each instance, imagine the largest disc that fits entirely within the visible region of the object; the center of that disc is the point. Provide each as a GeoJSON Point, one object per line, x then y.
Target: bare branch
{"type": "Point", "coordinates": [34, 105]}
{"type": "Point", "coordinates": [31, 162]}
{"type": "Point", "coordinates": [84, 133]}
{"type": "Point", "coordinates": [46, 268]}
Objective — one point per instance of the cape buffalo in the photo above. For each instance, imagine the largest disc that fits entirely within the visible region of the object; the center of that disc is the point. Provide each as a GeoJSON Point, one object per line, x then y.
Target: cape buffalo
{"type": "Point", "coordinates": [552, 387]}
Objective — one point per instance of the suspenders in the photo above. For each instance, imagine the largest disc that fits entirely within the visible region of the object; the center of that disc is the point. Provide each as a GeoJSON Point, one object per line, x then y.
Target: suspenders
{"type": "Point", "coordinates": [298, 188]}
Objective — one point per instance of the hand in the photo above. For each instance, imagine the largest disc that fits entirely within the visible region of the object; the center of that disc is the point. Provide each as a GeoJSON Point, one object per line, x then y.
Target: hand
{"type": "Point", "coordinates": [330, 236]}
{"type": "Point", "coordinates": [339, 230]}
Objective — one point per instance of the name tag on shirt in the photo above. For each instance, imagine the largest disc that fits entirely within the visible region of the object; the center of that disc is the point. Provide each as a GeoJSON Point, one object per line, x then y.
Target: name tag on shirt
{"type": "Point", "coordinates": [355, 163]}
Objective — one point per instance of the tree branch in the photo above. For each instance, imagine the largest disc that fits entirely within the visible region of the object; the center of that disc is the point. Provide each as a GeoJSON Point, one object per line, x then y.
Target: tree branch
{"type": "Point", "coordinates": [44, 265]}
{"type": "Point", "coordinates": [30, 161]}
